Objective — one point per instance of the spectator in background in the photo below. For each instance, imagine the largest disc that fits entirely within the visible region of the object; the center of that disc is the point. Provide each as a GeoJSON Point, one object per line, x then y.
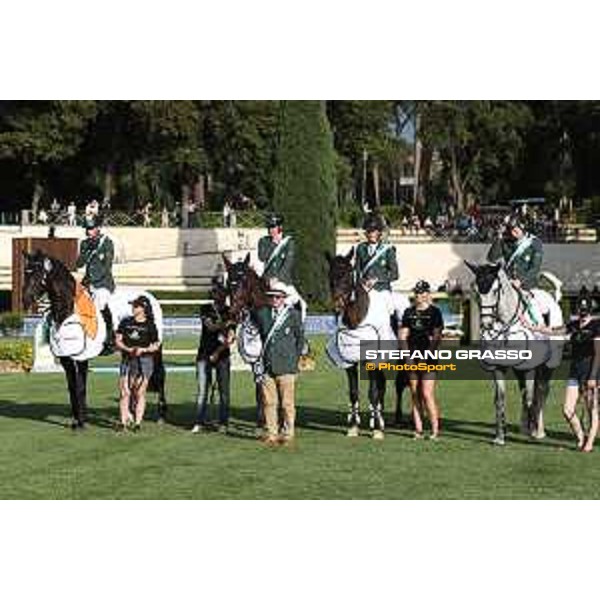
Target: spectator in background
{"type": "Point", "coordinates": [94, 208]}
{"type": "Point", "coordinates": [42, 217]}
{"type": "Point", "coordinates": [233, 218]}
{"type": "Point", "coordinates": [72, 214]}
{"type": "Point", "coordinates": [164, 219]}
{"type": "Point", "coordinates": [146, 213]}
{"type": "Point", "coordinates": [54, 210]}
{"type": "Point", "coordinates": [227, 214]}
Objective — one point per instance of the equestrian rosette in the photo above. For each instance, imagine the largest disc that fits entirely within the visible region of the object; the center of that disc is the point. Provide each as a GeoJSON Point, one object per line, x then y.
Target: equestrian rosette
{"type": "Point", "coordinates": [455, 361]}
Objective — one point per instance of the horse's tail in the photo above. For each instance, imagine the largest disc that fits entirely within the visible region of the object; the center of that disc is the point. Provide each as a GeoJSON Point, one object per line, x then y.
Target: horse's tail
{"type": "Point", "coordinates": [157, 379]}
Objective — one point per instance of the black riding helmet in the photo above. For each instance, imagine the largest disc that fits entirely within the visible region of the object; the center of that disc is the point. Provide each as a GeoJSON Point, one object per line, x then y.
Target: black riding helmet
{"type": "Point", "coordinates": [92, 222]}
{"type": "Point", "coordinates": [274, 220]}
{"type": "Point", "coordinates": [374, 222]}
{"type": "Point", "coordinates": [516, 221]}
{"type": "Point", "coordinates": [584, 304]}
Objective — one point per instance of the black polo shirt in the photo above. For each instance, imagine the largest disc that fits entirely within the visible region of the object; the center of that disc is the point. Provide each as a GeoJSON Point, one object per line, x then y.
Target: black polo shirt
{"type": "Point", "coordinates": [421, 325]}
{"type": "Point", "coordinates": [137, 334]}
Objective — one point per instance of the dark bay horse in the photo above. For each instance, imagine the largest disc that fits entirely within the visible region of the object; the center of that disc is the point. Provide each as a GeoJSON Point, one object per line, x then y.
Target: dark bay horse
{"type": "Point", "coordinates": [46, 276]}
{"type": "Point", "coordinates": [246, 292]}
{"type": "Point", "coordinates": [351, 303]}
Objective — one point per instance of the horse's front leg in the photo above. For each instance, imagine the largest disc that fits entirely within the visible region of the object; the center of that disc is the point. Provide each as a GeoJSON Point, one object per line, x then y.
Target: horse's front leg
{"type": "Point", "coordinates": [376, 397]}
{"type": "Point", "coordinates": [500, 405]}
{"type": "Point", "coordinates": [526, 381]}
{"type": "Point", "coordinates": [354, 407]}
{"type": "Point", "coordinates": [76, 375]}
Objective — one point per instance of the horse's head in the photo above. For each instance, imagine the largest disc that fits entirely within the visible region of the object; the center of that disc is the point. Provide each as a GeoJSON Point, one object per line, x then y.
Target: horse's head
{"type": "Point", "coordinates": [341, 278]}
{"type": "Point", "coordinates": [37, 269]}
{"type": "Point", "coordinates": [488, 286]}
{"type": "Point", "coordinates": [242, 282]}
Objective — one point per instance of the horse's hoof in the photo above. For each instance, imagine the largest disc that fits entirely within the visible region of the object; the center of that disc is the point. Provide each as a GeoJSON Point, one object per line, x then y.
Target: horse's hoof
{"type": "Point", "coordinates": [378, 434]}
{"type": "Point", "coordinates": [352, 432]}
{"type": "Point", "coordinates": [499, 441]}
{"type": "Point", "coordinates": [538, 435]}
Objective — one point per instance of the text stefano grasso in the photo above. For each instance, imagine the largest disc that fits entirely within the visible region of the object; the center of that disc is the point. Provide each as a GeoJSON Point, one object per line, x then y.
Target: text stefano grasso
{"type": "Point", "coordinates": [496, 354]}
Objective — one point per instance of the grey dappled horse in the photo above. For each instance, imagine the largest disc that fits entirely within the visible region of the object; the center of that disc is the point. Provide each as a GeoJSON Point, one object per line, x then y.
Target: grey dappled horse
{"type": "Point", "coordinates": [502, 324]}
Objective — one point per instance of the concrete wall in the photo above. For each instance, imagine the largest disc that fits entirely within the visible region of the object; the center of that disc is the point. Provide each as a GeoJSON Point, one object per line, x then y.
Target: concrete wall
{"type": "Point", "coordinates": [178, 259]}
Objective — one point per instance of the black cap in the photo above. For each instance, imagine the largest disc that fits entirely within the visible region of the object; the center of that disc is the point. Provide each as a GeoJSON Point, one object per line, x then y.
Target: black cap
{"type": "Point", "coordinates": [422, 286]}
{"type": "Point", "coordinates": [141, 301]}
{"type": "Point", "coordinates": [274, 220]}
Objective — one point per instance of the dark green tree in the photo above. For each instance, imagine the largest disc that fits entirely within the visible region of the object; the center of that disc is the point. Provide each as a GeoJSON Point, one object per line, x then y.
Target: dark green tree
{"type": "Point", "coordinates": [40, 135]}
{"type": "Point", "coordinates": [305, 191]}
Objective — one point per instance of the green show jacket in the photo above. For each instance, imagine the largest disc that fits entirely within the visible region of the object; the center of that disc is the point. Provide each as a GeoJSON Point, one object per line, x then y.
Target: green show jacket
{"type": "Point", "coordinates": [384, 269]}
{"type": "Point", "coordinates": [282, 266]}
{"type": "Point", "coordinates": [281, 355]}
{"type": "Point", "coordinates": [97, 257]}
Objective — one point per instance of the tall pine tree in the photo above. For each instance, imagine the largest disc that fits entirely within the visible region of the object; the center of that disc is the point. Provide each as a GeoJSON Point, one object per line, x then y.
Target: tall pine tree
{"type": "Point", "coordinates": [305, 192]}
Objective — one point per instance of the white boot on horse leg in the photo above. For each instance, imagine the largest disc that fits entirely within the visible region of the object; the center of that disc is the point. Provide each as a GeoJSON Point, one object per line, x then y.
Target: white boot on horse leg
{"type": "Point", "coordinates": [353, 431]}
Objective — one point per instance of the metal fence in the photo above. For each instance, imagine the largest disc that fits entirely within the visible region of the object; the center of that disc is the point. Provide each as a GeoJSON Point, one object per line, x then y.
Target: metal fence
{"type": "Point", "coordinates": [120, 218]}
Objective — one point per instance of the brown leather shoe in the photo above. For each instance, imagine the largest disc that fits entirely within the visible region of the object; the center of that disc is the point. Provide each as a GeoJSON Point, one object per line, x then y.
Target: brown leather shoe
{"type": "Point", "coordinates": [270, 441]}
{"type": "Point", "coordinates": [288, 441]}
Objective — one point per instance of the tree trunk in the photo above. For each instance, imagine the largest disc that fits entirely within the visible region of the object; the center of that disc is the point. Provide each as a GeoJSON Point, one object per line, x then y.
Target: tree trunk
{"type": "Point", "coordinates": [198, 192]}
{"type": "Point", "coordinates": [185, 197]}
{"type": "Point", "coordinates": [35, 199]}
{"type": "Point", "coordinates": [108, 183]}
{"type": "Point", "coordinates": [421, 181]}
{"type": "Point", "coordinates": [375, 174]}
{"type": "Point", "coordinates": [457, 188]}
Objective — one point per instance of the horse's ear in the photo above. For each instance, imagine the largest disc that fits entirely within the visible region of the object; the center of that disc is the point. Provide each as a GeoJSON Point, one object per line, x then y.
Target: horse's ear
{"type": "Point", "coordinates": [226, 261]}
{"type": "Point", "coordinates": [472, 267]}
{"type": "Point", "coordinates": [47, 265]}
{"type": "Point", "coordinates": [328, 257]}
{"type": "Point", "coordinates": [350, 254]}
{"type": "Point", "coordinates": [247, 260]}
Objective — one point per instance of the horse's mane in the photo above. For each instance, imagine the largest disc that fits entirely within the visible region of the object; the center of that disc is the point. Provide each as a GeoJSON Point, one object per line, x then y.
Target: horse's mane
{"type": "Point", "coordinates": [351, 299]}
{"type": "Point", "coordinates": [61, 289]}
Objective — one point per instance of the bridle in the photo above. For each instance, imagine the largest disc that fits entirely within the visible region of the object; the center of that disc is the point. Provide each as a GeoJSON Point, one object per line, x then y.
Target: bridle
{"type": "Point", "coordinates": [491, 311]}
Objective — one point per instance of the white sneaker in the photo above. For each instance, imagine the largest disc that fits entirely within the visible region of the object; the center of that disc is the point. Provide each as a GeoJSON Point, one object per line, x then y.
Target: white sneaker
{"type": "Point", "coordinates": [197, 428]}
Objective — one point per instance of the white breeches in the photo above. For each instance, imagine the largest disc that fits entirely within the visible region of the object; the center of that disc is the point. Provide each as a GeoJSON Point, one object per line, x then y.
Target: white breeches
{"type": "Point", "coordinates": [101, 297]}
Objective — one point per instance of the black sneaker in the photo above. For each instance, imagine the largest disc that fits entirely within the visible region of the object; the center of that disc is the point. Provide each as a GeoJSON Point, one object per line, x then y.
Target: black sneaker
{"type": "Point", "coordinates": [136, 428]}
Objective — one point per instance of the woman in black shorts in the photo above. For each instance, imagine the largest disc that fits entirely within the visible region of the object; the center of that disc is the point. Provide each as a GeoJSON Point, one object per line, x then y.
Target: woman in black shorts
{"type": "Point", "coordinates": [137, 339]}
{"type": "Point", "coordinates": [422, 326]}
{"type": "Point", "coordinates": [583, 373]}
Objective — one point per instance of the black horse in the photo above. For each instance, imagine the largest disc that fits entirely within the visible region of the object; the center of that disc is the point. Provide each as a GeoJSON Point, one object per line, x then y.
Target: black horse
{"type": "Point", "coordinates": [46, 276]}
{"type": "Point", "coordinates": [351, 303]}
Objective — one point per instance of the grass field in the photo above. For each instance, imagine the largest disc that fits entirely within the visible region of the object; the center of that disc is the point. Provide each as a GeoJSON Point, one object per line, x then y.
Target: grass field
{"type": "Point", "coordinates": [41, 458]}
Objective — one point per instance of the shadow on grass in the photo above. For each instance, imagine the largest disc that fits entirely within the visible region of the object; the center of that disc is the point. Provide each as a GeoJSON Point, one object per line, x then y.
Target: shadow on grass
{"type": "Point", "coordinates": [243, 421]}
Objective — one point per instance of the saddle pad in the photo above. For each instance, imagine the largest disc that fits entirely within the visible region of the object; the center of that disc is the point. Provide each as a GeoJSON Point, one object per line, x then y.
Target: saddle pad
{"type": "Point", "coordinates": [85, 308]}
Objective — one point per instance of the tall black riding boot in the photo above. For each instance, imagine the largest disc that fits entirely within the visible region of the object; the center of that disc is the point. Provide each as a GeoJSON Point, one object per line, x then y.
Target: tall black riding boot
{"type": "Point", "coordinates": [109, 344]}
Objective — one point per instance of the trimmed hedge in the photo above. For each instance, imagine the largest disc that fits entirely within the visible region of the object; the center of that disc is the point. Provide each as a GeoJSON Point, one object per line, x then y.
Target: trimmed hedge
{"type": "Point", "coordinates": [18, 352]}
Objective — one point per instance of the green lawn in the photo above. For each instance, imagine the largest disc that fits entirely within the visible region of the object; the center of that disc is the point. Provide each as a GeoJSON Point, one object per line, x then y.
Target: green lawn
{"type": "Point", "coordinates": [41, 458]}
